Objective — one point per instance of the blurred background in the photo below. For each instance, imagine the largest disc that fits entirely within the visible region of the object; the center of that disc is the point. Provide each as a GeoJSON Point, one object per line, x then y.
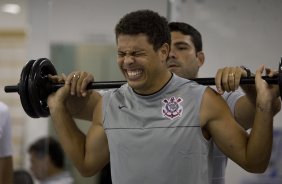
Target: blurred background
{"type": "Point", "coordinates": [79, 35]}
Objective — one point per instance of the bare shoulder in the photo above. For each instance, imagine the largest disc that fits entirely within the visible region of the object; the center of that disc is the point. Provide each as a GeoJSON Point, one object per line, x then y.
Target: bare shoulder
{"type": "Point", "coordinates": [212, 98]}
{"type": "Point", "coordinates": [212, 106]}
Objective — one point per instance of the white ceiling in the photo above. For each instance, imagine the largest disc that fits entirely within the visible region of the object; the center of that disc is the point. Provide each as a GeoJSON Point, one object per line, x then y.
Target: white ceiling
{"type": "Point", "coordinates": [87, 18]}
{"type": "Point", "coordinates": [13, 21]}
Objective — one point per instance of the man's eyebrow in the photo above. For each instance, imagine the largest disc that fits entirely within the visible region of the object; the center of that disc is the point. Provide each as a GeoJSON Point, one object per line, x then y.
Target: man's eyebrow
{"type": "Point", "coordinates": [133, 51]}
{"type": "Point", "coordinates": [181, 43]}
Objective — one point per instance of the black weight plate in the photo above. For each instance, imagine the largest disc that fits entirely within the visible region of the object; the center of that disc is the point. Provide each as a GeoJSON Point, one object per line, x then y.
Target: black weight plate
{"type": "Point", "coordinates": [37, 85]}
{"type": "Point", "coordinates": [23, 90]}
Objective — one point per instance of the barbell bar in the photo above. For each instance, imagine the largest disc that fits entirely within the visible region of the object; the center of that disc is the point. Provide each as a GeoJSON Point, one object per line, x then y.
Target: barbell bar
{"type": "Point", "coordinates": [34, 86]}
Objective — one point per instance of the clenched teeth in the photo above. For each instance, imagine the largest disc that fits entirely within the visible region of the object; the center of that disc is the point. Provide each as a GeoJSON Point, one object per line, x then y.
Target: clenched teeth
{"type": "Point", "coordinates": [134, 73]}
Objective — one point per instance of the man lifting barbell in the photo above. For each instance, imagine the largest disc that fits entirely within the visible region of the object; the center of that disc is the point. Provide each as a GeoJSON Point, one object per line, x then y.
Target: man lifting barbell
{"type": "Point", "coordinates": [160, 132]}
{"type": "Point", "coordinates": [165, 123]}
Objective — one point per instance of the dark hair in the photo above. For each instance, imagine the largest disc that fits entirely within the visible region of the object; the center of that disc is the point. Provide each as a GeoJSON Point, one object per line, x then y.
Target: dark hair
{"type": "Point", "coordinates": [49, 146]}
{"type": "Point", "coordinates": [147, 22]}
{"type": "Point", "coordinates": [22, 177]}
{"type": "Point", "coordinates": [187, 29]}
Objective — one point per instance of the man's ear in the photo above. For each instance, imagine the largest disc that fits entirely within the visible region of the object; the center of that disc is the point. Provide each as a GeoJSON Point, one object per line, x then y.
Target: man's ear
{"type": "Point", "coordinates": [164, 52]}
{"type": "Point", "coordinates": [201, 58]}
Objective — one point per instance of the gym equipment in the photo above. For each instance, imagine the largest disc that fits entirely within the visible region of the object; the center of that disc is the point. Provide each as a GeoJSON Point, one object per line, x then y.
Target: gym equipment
{"type": "Point", "coordinates": [34, 85]}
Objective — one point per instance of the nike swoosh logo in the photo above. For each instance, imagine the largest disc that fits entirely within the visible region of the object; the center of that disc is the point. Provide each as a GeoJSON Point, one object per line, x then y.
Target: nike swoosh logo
{"type": "Point", "coordinates": [122, 106]}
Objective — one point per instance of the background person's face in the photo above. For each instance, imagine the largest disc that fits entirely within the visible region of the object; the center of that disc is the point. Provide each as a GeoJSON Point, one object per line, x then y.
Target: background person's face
{"type": "Point", "coordinates": [39, 165]}
{"type": "Point", "coordinates": [183, 59]}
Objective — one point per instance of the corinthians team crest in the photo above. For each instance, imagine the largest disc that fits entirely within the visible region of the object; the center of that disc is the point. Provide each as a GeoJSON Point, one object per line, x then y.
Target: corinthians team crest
{"type": "Point", "coordinates": [172, 108]}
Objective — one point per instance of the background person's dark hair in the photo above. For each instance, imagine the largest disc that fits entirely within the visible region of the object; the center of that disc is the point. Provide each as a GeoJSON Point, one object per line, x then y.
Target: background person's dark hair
{"type": "Point", "coordinates": [187, 29]}
{"type": "Point", "coordinates": [146, 22]}
{"type": "Point", "coordinates": [49, 146]}
{"type": "Point", "coordinates": [22, 177]}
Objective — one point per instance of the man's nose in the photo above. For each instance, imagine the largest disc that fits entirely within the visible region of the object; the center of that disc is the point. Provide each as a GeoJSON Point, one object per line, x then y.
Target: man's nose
{"type": "Point", "coordinates": [128, 59]}
{"type": "Point", "coordinates": [171, 54]}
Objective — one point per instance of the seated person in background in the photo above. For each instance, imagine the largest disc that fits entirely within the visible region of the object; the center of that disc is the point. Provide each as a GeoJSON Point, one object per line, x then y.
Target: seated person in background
{"type": "Point", "coordinates": [48, 161]}
{"type": "Point", "coordinates": [6, 161]}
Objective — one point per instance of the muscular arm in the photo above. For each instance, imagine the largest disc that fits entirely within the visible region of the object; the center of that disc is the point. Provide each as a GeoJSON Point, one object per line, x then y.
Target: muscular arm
{"type": "Point", "coordinates": [83, 110]}
{"type": "Point", "coordinates": [6, 170]}
{"type": "Point", "coordinates": [89, 153]}
{"type": "Point", "coordinates": [251, 152]}
{"type": "Point", "coordinates": [245, 106]}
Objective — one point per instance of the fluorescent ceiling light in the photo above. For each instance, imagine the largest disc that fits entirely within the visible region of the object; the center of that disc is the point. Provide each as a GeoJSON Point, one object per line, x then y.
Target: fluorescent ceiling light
{"type": "Point", "coordinates": [11, 8]}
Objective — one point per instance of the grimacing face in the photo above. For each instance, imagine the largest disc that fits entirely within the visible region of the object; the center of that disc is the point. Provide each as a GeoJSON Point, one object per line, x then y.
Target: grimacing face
{"type": "Point", "coordinates": [140, 64]}
{"type": "Point", "coordinates": [183, 59]}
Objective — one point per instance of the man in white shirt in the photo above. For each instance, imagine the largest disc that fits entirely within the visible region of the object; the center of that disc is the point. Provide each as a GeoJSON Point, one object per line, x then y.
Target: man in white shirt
{"type": "Point", "coordinates": [6, 161]}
